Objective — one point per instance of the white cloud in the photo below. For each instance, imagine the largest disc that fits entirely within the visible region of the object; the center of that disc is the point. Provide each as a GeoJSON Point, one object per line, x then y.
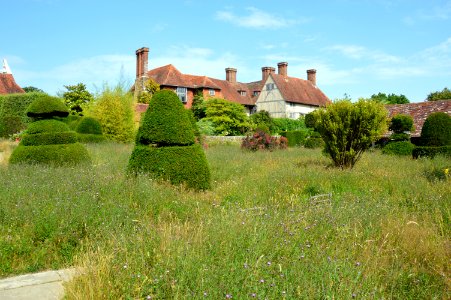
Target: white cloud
{"type": "Point", "coordinates": [256, 19]}
{"type": "Point", "coordinates": [359, 53]}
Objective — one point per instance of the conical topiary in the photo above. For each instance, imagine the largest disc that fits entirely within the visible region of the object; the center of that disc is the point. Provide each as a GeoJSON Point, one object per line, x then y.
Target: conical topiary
{"type": "Point", "coordinates": [165, 144]}
{"type": "Point", "coordinates": [436, 130]}
{"type": "Point", "coordinates": [48, 140]}
{"type": "Point", "coordinates": [89, 130]}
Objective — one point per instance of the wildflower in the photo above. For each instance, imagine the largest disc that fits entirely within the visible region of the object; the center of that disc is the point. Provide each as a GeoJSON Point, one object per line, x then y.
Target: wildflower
{"type": "Point", "coordinates": [357, 264]}
{"type": "Point", "coordinates": [148, 297]}
{"type": "Point", "coordinates": [268, 263]}
{"type": "Point", "coordinates": [205, 294]}
{"type": "Point", "coordinates": [354, 295]}
{"type": "Point", "coordinates": [228, 296]}
{"type": "Point", "coordinates": [253, 295]}
{"type": "Point", "coordinates": [262, 280]}
{"type": "Point", "coordinates": [446, 171]}
{"type": "Point", "coordinates": [125, 266]}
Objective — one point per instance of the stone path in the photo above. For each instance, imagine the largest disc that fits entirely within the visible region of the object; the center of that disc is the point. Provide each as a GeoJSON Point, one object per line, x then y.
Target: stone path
{"type": "Point", "coordinates": [46, 285]}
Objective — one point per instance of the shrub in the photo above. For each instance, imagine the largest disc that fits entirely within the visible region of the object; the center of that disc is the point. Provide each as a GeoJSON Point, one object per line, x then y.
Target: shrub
{"type": "Point", "coordinates": [400, 137]}
{"type": "Point", "coordinates": [431, 152]}
{"type": "Point", "coordinates": [13, 118]}
{"type": "Point", "coordinates": [436, 130]}
{"type": "Point", "coordinates": [165, 122]}
{"type": "Point", "coordinates": [49, 125]}
{"type": "Point", "coordinates": [198, 107]}
{"type": "Point", "coordinates": [49, 138]}
{"type": "Point", "coordinates": [47, 107]}
{"type": "Point", "coordinates": [399, 148]}
{"type": "Point", "coordinates": [401, 123]}
{"type": "Point", "coordinates": [295, 138]}
{"type": "Point", "coordinates": [286, 124]}
{"type": "Point", "coordinates": [89, 125]}
{"type": "Point", "coordinates": [313, 142]}
{"type": "Point", "coordinates": [228, 117]}
{"type": "Point", "coordinates": [56, 155]}
{"type": "Point", "coordinates": [90, 138]}
{"type": "Point", "coordinates": [72, 121]}
{"type": "Point", "coordinates": [310, 120]}
{"type": "Point", "coordinates": [206, 127]}
{"type": "Point", "coordinates": [150, 88]}
{"type": "Point", "coordinates": [262, 119]}
{"type": "Point", "coordinates": [261, 140]}
{"type": "Point", "coordinates": [177, 164]}
{"type": "Point", "coordinates": [348, 129]}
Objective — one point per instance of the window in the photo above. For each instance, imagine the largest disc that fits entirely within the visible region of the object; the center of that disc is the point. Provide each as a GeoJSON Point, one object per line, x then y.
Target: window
{"type": "Point", "coordinates": [211, 92]}
{"type": "Point", "coordinates": [242, 93]}
{"type": "Point", "coordinates": [269, 86]}
{"type": "Point", "coordinates": [256, 93]}
{"type": "Point", "coordinates": [181, 92]}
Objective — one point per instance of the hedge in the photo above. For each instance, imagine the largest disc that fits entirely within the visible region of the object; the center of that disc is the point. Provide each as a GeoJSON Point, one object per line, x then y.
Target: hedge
{"type": "Point", "coordinates": [49, 138]}
{"type": "Point", "coordinates": [46, 107]}
{"type": "Point", "coordinates": [431, 152]}
{"type": "Point", "coordinates": [177, 164]}
{"type": "Point", "coordinates": [436, 130]}
{"type": "Point", "coordinates": [90, 138]}
{"type": "Point", "coordinates": [295, 138]}
{"type": "Point", "coordinates": [56, 155]}
{"type": "Point", "coordinates": [399, 148]}
{"type": "Point", "coordinates": [89, 125]}
{"type": "Point", "coordinates": [13, 116]}
{"type": "Point", "coordinates": [47, 126]}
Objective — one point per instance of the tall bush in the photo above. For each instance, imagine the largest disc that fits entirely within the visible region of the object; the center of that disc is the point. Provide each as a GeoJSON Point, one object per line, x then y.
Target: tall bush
{"type": "Point", "coordinates": [287, 124]}
{"type": "Point", "coordinates": [113, 108]}
{"type": "Point", "coordinates": [165, 144]}
{"type": "Point", "coordinates": [436, 130]}
{"type": "Point", "coordinates": [262, 119]}
{"type": "Point", "coordinates": [228, 117]}
{"type": "Point", "coordinates": [348, 129]}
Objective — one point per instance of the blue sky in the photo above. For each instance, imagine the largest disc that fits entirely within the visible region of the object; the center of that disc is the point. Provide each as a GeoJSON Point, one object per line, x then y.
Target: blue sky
{"type": "Point", "coordinates": [359, 47]}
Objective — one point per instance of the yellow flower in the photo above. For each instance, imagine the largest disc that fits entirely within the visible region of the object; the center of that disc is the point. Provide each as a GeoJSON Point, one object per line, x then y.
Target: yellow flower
{"type": "Point", "coordinates": [446, 171]}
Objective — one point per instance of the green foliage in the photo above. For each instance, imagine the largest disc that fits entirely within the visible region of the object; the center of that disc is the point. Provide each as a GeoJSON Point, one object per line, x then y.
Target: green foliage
{"type": "Point", "coordinates": [49, 125]}
{"type": "Point", "coordinates": [90, 138]}
{"type": "Point", "coordinates": [89, 125]}
{"type": "Point", "coordinates": [431, 152]}
{"type": "Point", "coordinates": [390, 98]}
{"type": "Point", "coordinates": [32, 89]}
{"type": "Point", "coordinates": [310, 120]}
{"type": "Point", "coordinates": [287, 124]}
{"type": "Point", "coordinates": [113, 108]}
{"type": "Point", "coordinates": [348, 129]}
{"type": "Point", "coordinates": [166, 122]}
{"type": "Point", "coordinates": [399, 148]}
{"type": "Point", "coordinates": [198, 107]}
{"type": "Point", "coordinates": [77, 98]}
{"type": "Point", "coordinates": [13, 116]}
{"type": "Point", "coordinates": [313, 142]}
{"type": "Point", "coordinates": [150, 88]}
{"type": "Point", "coordinates": [436, 130]}
{"type": "Point", "coordinates": [445, 94]}
{"type": "Point", "coordinates": [47, 107]}
{"type": "Point", "coordinates": [295, 138]}
{"type": "Point", "coordinates": [206, 127]}
{"type": "Point", "coordinates": [177, 164]}
{"type": "Point", "coordinates": [48, 138]}
{"type": "Point", "coordinates": [55, 155]}
{"type": "Point", "coordinates": [261, 140]}
{"type": "Point", "coordinates": [228, 117]}
{"type": "Point", "coordinates": [401, 123]}
{"type": "Point", "coordinates": [262, 119]}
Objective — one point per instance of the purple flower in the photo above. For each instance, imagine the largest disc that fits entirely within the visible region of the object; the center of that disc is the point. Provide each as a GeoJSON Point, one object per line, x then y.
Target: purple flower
{"type": "Point", "coordinates": [228, 296]}
{"type": "Point", "coordinates": [253, 295]}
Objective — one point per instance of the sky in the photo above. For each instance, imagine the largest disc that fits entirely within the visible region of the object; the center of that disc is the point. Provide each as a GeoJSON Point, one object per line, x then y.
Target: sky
{"type": "Point", "coordinates": [358, 47]}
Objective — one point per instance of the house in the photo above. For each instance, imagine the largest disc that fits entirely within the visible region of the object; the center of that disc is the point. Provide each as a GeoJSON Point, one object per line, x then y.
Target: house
{"type": "Point", "coordinates": [419, 112]}
{"type": "Point", "coordinates": [7, 83]}
{"type": "Point", "coordinates": [280, 95]}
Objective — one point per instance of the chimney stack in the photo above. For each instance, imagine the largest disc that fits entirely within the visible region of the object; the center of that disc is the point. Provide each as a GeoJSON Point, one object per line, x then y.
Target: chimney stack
{"type": "Point", "coordinates": [142, 59]}
{"type": "Point", "coordinates": [282, 68]}
{"type": "Point", "coordinates": [231, 75]}
{"type": "Point", "coordinates": [266, 71]}
{"type": "Point", "coordinates": [311, 76]}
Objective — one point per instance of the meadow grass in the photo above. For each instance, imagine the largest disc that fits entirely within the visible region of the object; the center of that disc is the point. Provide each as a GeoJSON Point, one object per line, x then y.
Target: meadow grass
{"type": "Point", "coordinates": [255, 234]}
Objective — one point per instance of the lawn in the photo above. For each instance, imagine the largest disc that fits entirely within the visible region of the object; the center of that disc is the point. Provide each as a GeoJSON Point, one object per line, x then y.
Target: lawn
{"type": "Point", "coordinates": [256, 235]}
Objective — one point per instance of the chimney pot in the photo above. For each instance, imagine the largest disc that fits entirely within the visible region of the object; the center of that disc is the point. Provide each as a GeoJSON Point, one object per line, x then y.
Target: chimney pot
{"type": "Point", "coordinates": [266, 71]}
{"type": "Point", "coordinates": [282, 68]}
{"type": "Point", "coordinates": [231, 75]}
{"type": "Point", "coordinates": [142, 59]}
{"type": "Point", "coordinates": [311, 76]}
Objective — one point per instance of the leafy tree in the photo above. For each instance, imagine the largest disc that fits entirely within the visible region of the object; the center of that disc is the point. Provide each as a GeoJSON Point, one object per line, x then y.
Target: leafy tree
{"type": "Point", "coordinates": [32, 89]}
{"type": "Point", "coordinates": [198, 107]}
{"type": "Point", "coordinates": [445, 94]}
{"type": "Point", "coordinates": [228, 117]}
{"type": "Point", "coordinates": [113, 108]}
{"type": "Point", "coordinates": [263, 120]}
{"type": "Point", "coordinates": [76, 98]}
{"type": "Point", "coordinates": [150, 88]}
{"type": "Point", "coordinates": [390, 98]}
{"type": "Point", "coordinates": [348, 129]}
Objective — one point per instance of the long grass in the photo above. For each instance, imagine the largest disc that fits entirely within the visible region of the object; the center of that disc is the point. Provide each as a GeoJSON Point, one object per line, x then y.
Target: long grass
{"type": "Point", "coordinates": [383, 234]}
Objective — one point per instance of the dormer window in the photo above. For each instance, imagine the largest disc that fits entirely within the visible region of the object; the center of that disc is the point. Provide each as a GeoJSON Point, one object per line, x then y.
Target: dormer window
{"type": "Point", "coordinates": [256, 93]}
{"type": "Point", "coordinates": [211, 92]}
{"type": "Point", "coordinates": [269, 86]}
{"type": "Point", "coordinates": [242, 93]}
{"type": "Point", "coordinates": [182, 94]}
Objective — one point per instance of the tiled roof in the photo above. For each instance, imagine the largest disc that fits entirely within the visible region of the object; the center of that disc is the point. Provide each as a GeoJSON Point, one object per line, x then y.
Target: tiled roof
{"type": "Point", "coordinates": [299, 91]}
{"type": "Point", "coordinates": [419, 111]}
{"type": "Point", "coordinates": [8, 85]}
{"type": "Point", "coordinates": [231, 91]}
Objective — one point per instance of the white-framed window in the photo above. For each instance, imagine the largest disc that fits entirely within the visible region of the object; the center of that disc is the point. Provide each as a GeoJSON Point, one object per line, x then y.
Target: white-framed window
{"type": "Point", "coordinates": [242, 93]}
{"type": "Point", "coordinates": [256, 93]}
{"type": "Point", "coordinates": [182, 93]}
{"type": "Point", "coordinates": [211, 92]}
{"type": "Point", "coordinates": [269, 86]}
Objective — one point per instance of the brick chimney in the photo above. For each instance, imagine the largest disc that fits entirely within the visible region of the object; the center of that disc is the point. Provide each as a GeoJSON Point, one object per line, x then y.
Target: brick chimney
{"type": "Point", "coordinates": [266, 71]}
{"type": "Point", "coordinates": [142, 58]}
{"type": "Point", "coordinates": [231, 75]}
{"type": "Point", "coordinates": [282, 68]}
{"type": "Point", "coordinates": [311, 76]}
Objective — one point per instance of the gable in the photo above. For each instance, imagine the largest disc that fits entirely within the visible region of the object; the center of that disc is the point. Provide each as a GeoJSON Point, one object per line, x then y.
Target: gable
{"type": "Point", "coordinates": [8, 85]}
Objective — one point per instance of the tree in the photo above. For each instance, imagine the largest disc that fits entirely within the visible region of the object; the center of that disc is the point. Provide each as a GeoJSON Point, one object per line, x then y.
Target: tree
{"type": "Point", "coordinates": [263, 121]}
{"type": "Point", "coordinates": [198, 107]}
{"type": "Point", "coordinates": [390, 98]}
{"type": "Point", "coordinates": [150, 88]}
{"type": "Point", "coordinates": [76, 98]}
{"type": "Point", "coordinates": [348, 129]}
{"type": "Point", "coordinates": [31, 89]}
{"type": "Point", "coordinates": [228, 117]}
{"type": "Point", "coordinates": [445, 94]}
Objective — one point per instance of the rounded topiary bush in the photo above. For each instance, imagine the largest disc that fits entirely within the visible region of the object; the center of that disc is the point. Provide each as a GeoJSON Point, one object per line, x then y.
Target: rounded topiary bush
{"type": "Point", "coordinates": [401, 123]}
{"type": "Point", "coordinates": [89, 125]}
{"type": "Point", "coordinates": [49, 125]}
{"type": "Point", "coordinates": [399, 148]}
{"type": "Point", "coordinates": [436, 130]}
{"type": "Point", "coordinates": [165, 145]}
{"type": "Point", "coordinates": [47, 107]}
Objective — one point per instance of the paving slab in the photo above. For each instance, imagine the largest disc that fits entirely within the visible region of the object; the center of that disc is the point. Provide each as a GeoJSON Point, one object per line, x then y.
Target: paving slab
{"type": "Point", "coordinates": [46, 285]}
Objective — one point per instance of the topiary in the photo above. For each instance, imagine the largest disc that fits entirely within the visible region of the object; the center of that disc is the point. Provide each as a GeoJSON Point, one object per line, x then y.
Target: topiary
{"type": "Point", "coordinates": [399, 148]}
{"type": "Point", "coordinates": [165, 145]}
{"type": "Point", "coordinates": [47, 107]}
{"type": "Point", "coordinates": [401, 123]}
{"type": "Point", "coordinates": [89, 125]}
{"type": "Point", "coordinates": [436, 130]}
